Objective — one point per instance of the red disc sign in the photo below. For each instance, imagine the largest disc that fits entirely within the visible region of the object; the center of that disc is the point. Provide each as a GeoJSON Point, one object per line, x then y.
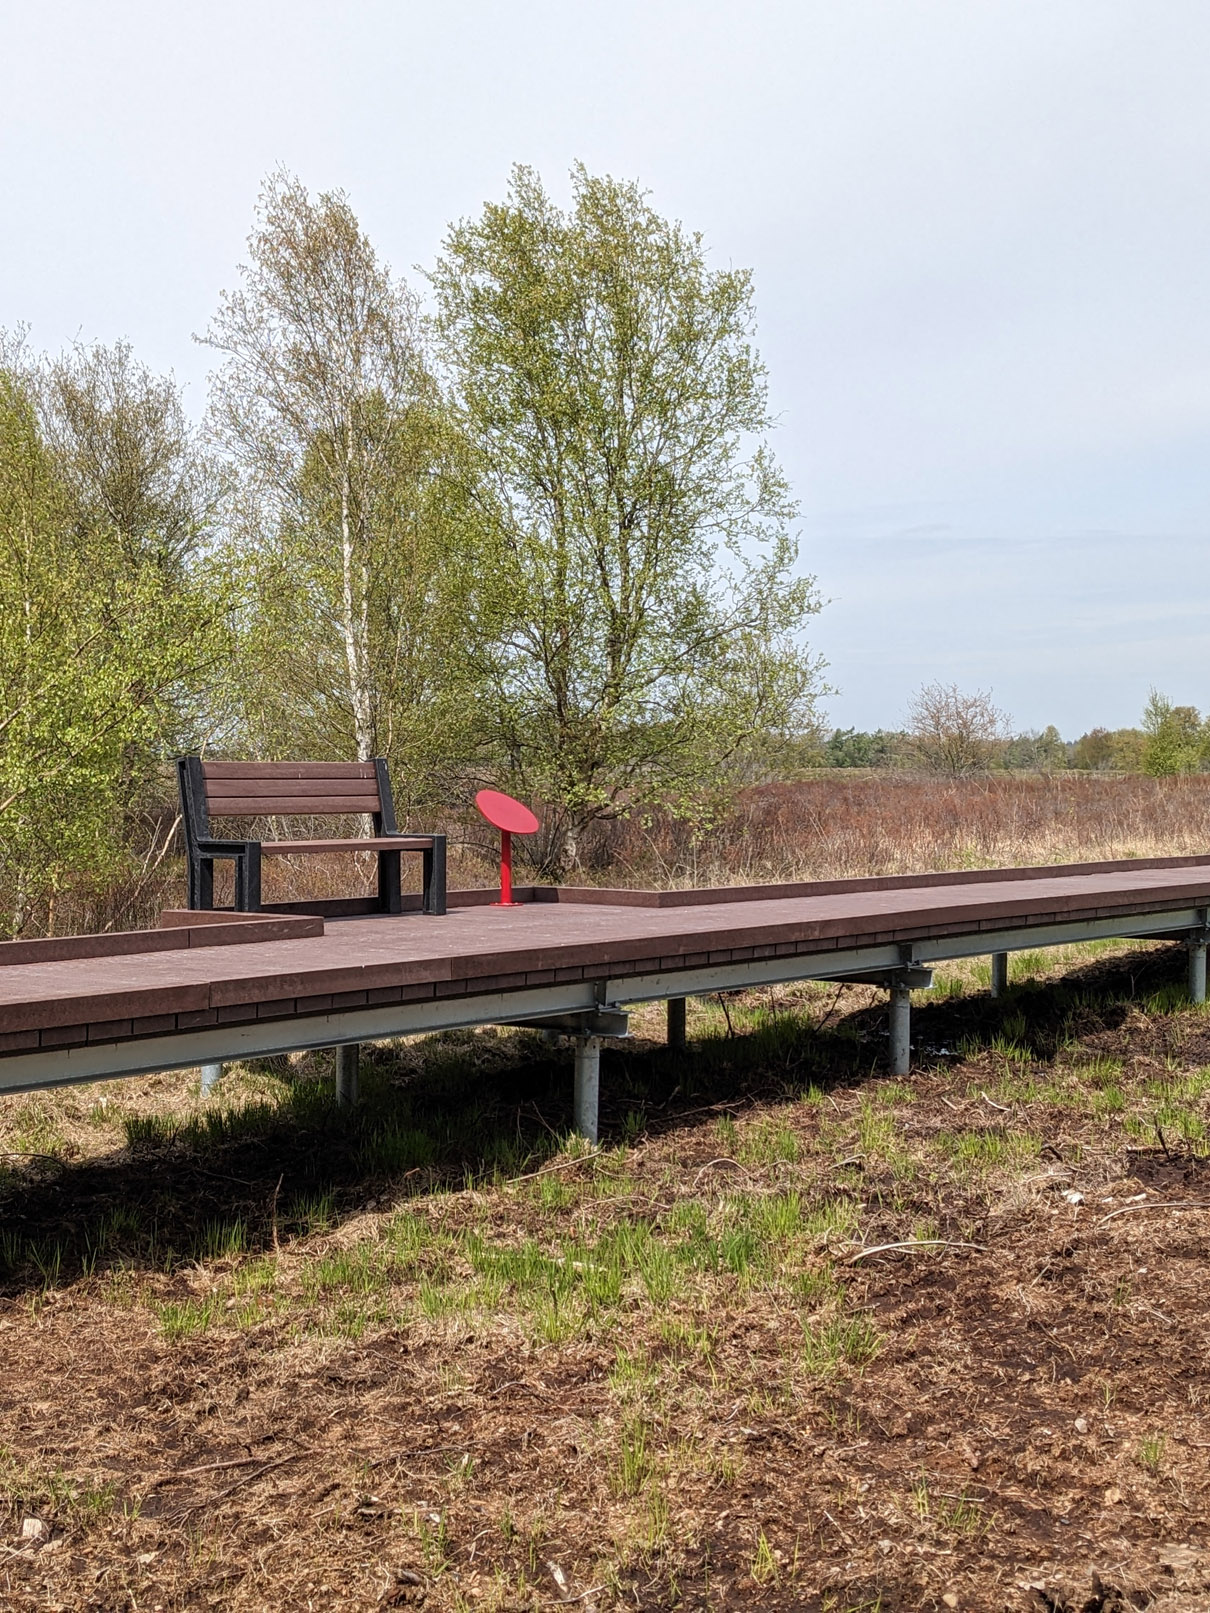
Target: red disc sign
{"type": "Point", "coordinates": [502, 812]}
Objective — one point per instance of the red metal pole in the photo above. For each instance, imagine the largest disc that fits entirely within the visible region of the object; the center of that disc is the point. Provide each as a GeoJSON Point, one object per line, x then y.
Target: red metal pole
{"type": "Point", "coordinates": [506, 868]}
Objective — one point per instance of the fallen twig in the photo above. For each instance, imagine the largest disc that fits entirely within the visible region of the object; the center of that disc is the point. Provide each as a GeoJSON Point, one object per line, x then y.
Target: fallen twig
{"type": "Point", "coordinates": [205, 1467]}
{"type": "Point", "coordinates": [559, 1165]}
{"type": "Point", "coordinates": [914, 1243]}
{"type": "Point", "coordinates": [722, 1160]}
{"type": "Point", "coordinates": [1163, 1204]}
{"type": "Point", "coordinates": [248, 1478]}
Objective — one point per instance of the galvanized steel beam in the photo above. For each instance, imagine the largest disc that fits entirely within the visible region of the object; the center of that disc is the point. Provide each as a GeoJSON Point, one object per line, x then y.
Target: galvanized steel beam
{"type": "Point", "coordinates": [219, 1044]}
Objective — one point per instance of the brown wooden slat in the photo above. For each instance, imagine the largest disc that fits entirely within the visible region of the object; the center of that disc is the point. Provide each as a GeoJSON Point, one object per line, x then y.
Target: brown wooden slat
{"type": "Point", "coordinates": [246, 789]}
{"type": "Point", "coordinates": [289, 848]}
{"type": "Point", "coordinates": [252, 806]}
{"type": "Point", "coordinates": [288, 770]}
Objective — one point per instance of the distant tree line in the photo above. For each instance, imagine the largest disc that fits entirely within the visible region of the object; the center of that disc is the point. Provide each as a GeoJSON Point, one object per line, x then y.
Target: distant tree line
{"type": "Point", "coordinates": [953, 732]}
{"type": "Point", "coordinates": [526, 529]}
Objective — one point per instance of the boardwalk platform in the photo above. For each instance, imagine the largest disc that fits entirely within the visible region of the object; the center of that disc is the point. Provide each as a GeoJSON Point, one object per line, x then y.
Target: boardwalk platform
{"type": "Point", "coordinates": [194, 992]}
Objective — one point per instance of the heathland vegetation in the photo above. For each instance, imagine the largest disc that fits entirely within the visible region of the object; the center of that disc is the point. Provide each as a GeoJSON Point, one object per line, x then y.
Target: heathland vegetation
{"type": "Point", "coordinates": [532, 533]}
{"type": "Point", "coordinates": [795, 1335]}
{"type": "Point", "coordinates": [526, 529]}
{"type": "Point", "coordinates": [523, 529]}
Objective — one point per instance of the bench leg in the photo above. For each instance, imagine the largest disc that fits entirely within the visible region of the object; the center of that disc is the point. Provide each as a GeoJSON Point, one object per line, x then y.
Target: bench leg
{"type": "Point", "coordinates": [201, 884]}
{"type": "Point", "coordinates": [212, 1074]}
{"type": "Point", "coordinates": [247, 879]}
{"type": "Point", "coordinates": [434, 877]}
{"type": "Point", "coordinates": [390, 899]}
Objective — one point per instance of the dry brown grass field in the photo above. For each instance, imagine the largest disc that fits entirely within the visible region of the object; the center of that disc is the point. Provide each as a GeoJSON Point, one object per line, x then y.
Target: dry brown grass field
{"type": "Point", "coordinates": [795, 1336]}
{"type": "Point", "coordinates": [852, 823]}
{"type": "Point", "coordinates": [831, 825]}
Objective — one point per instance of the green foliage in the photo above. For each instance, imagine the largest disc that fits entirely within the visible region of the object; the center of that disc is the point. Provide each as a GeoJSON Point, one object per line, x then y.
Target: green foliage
{"type": "Point", "coordinates": [635, 622]}
{"type": "Point", "coordinates": [101, 637]}
{"type": "Point", "coordinates": [847, 747]}
{"type": "Point", "coordinates": [1118, 750]}
{"type": "Point", "coordinates": [350, 534]}
{"type": "Point", "coordinates": [1177, 741]}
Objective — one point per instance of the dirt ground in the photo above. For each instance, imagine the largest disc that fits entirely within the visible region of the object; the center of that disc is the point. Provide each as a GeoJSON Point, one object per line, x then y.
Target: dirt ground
{"type": "Point", "coordinates": [795, 1336]}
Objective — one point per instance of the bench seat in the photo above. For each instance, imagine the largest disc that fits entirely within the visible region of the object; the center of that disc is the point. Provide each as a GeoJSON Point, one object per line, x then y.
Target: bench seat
{"type": "Point", "coordinates": [282, 848]}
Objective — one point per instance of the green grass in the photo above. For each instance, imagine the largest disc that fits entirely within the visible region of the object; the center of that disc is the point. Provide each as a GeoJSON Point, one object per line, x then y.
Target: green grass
{"type": "Point", "coordinates": [635, 1463]}
{"type": "Point", "coordinates": [768, 1142]}
{"type": "Point", "coordinates": [1152, 1451]}
{"type": "Point", "coordinates": [50, 1492]}
{"type": "Point", "coordinates": [835, 1340]}
{"type": "Point", "coordinates": [978, 1151]}
{"type": "Point", "coordinates": [182, 1319]}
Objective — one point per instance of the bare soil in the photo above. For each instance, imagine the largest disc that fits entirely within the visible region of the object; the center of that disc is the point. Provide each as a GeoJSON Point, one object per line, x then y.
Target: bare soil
{"type": "Point", "coordinates": [259, 1353]}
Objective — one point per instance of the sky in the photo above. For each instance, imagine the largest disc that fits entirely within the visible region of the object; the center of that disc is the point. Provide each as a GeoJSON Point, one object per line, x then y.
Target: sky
{"type": "Point", "coordinates": [979, 230]}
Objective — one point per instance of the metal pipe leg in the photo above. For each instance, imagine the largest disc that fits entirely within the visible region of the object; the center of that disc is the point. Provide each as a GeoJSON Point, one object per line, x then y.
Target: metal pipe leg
{"type": "Point", "coordinates": [677, 1035]}
{"type": "Point", "coordinates": [901, 1030]}
{"type": "Point", "coordinates": [588, 1084]}
{"type": "Point", "coordinates": [212, 1074]}
{"type": "Point", "coordinates": [1197, 971]}
{"type": "Point", "coordinates": [348, 1058]}
{"type": "Point", "coordinates": [999, 973]}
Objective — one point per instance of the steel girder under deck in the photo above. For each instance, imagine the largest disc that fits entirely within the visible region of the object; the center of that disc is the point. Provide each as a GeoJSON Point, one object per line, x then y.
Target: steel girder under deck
{"type": "Point", "coordinates": [585, 1009]}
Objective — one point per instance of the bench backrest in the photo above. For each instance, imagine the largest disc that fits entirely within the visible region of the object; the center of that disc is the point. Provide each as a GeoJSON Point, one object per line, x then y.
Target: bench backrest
{"type": "Point", "coordinates": [255, 789]}
{"type": "Point", "coordinates": [285, 789]}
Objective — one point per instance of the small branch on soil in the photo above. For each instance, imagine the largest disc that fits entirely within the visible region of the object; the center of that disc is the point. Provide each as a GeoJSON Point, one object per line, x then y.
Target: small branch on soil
{"type": "Point", "coordinates": [1170, 1204]}
{"type": "Point", "coordinates": [248, 1478]}
{"type": "Point", "coordinates": [206, 1467]}
{"type": "Point", "coordinates": [560, 1165]}
{"type": "Point", "coordinates": [914, 1243]}
{"type": "Point", "coordinates": [1003, 1107]}
{"type": "Point", "coordinates": [711, 1163]}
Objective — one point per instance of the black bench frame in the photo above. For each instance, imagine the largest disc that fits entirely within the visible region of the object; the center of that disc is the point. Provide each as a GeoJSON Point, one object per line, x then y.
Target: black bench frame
{"type": "Point", "coordinates": [202, 848]}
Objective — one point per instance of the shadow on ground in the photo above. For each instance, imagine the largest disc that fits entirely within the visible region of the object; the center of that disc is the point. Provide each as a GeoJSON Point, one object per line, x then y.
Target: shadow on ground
{"type": "Point", "coordinates": [472, 1108]}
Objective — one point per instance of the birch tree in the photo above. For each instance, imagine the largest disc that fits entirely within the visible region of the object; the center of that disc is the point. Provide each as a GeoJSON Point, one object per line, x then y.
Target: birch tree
{"type": "Point", "coordinates": [643, 627]}
{"type": "Point", "coordinates": [325, 403]}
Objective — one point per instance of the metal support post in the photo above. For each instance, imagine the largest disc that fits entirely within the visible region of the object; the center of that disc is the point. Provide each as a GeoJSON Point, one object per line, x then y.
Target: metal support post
{"type": "Point", "coordinates": [677, 1035]}
{"type": "Point", "coordinates": [348, 1057]}
{"type": "Point", "coordinates": [588, 1083]}
{"type": "Point", "coordinates": [1197, 971]}
{"type": "Point", "coordinates": [999, 973]}
{"type": "Point", "coordinates": [212, 1074]}
{"type": "Point", "coordinates": [901, 1030]}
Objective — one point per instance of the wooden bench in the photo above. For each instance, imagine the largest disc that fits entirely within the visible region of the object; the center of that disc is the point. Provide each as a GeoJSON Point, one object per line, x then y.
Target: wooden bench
{"type": "Point", "coordinates": [298, 789]}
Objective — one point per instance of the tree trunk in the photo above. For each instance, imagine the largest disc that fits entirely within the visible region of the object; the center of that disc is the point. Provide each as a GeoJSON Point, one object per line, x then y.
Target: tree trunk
{"type": "Point", "coordinates": [354, 621]}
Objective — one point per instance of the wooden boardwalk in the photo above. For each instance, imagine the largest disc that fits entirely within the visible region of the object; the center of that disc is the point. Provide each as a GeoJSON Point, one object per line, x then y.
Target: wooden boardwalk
{"type": "Point", "coordinates": [81, 1007]}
